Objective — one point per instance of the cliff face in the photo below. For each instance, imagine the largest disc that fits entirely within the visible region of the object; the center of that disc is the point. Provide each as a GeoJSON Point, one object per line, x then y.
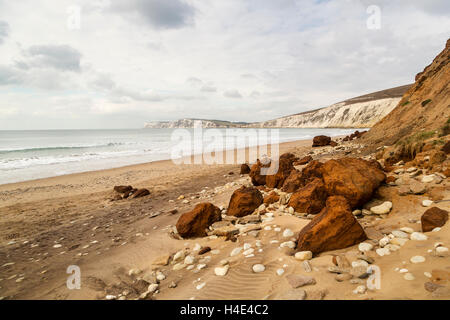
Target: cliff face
{"type": "Point", "coordinates": [339, 115]}
{"type": "Point", "coordinates": [359, 112]}
{"type": "Point", "coordinates": [424, 107]}
{"type": "Point", "coordinates": [190, 123]}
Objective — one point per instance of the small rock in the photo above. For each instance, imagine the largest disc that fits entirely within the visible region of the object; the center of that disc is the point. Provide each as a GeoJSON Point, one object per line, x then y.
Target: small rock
{"type": "Point", "coordinates": [360, 290]}
{"type": "Point", "coordinates": [383, 208]}
{"type": "Point", "coordinates": [418, 236]}
{"type": "Point", "coordinates": [303, 255]}
{"type": "Point", "coordinates": [383, 252]}
{"type": "Point", "coordinates": [221, 271]}
{"type": "Point", "coordinates": [258, 268]}
{"type": "Point", "coordinates": [409, 276]}
{"type": "Point", "coordinates": [427, 203]}
{"type": "Point", "coordinates": [417, 259]}
{"type": "Point", "coordinates": [365, 247]}
{"type": "Point", "coordinates": [288, 233]}
{"type": "Point", "coordinates": [297, 280]}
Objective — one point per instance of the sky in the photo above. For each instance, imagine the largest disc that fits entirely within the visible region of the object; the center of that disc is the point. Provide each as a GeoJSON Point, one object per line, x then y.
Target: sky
{"type": "Point", "coordinates": [85, 64]}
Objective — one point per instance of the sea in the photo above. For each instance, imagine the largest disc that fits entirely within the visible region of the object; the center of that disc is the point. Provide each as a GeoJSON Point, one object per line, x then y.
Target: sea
{"type": "Point", "coordinates": [34, 154]}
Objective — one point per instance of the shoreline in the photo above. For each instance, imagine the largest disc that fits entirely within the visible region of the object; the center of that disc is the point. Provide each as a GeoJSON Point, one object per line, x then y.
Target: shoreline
{"type": "Point", "coordinates": [282, 145]}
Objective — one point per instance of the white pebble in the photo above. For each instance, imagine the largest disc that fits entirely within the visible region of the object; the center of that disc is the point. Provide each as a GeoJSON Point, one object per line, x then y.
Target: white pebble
{"type": "Point", "coordinates": [365, 247]}
{"type": "Point", "coordinates": [288, 233]}
{"type": "Point", "coordinates": [258, 268]}
{"type": "Point", "coordinates": [303, 255]}
{"type": "Point", "coordinates": [417, 259]}
{"type": "Point", "coordinates": [418, 236]}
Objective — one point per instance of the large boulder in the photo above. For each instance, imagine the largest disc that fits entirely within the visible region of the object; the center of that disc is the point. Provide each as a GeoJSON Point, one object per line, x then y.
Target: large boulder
{"type": "Point", "coordinates": [433, 218]}
{"type": "Point", "coordinates": [289, 156]}
{"type": "Point", "coordinates": [244, 201]}
{"type": "Point", "coordinates": [257, 178]}
{"type": "Point", "coordinates": [276, 180]}
{"type": "Point", "coordinates": [310, 199]}
{"type": "Point", "coordinates": [194, 223]}
{"type": "Point", "coordinates": [293, 182]}
{"type": "Point", "coordinates": [297, 179]}
{"type": "Point", "coordinates": [354, 179]}
{"type": "Point", "coordinates": [321, 141]}
{"type": "Point", "coordinates": [334, 228]}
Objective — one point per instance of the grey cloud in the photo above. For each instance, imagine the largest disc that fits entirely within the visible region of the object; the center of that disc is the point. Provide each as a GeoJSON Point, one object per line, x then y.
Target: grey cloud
{"type": "Point", "coordinates": [194, 81]}
{"type": "Point", "coordinates": [208, 89]}
{"type": "Point", "coordinates": [4, 31]}
{"type": "Point", "coordinates": [9, 76]}
{"type": "Point", "coordinates": [160, 14]}
{"type": "Point", "coordinates": [61, 57]}
{"type": "Point", "coordinates": [232, 94]}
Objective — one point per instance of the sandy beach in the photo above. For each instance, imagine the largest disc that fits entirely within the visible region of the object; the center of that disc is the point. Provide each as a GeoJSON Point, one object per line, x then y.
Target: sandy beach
{"type": "Point", "coordinates": [51, 224]}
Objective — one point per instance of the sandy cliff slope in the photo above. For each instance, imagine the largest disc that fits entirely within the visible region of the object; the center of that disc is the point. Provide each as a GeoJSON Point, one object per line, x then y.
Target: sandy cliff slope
{"type": "Point", "coordinates": [424, 107]}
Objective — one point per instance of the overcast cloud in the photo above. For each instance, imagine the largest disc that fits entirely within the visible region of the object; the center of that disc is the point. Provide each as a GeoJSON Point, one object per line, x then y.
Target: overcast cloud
{"type": "Point", "coordinates": [240, 60]}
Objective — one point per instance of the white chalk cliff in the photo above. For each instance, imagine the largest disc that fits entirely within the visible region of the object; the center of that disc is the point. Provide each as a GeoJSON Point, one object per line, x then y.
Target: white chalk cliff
{"type": "Point", "coordinates": [359, 112]}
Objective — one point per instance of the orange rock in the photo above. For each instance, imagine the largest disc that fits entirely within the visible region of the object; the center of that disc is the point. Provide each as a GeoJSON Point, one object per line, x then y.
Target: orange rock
{"type": "Point", "coordinates": [140, 193]}
{"type": "Point", "coordinates": [293, 182]}
{"type": "Point", "coordinates": [320, 141]}
{"type": "Point", "coordinates": [303, 161]}
{"type": "Point", "coordinates": [255, 174]}
{"type": "Point", "coordinates": [310, 199]}
{"type": "Point", "coordinates": [271, 198]}
{"type": "Point", "coordinates": [334, 228]}
{"type": "Point", "coordinates": [354, 179]}
{"type": "Point", "coordinates": [244, 169]}
{"type": "Point", "coordinates": [244, 201]}
{"type": "Point", "coordinates": [284, 169]}
{"type": "Point", "coordinates": [433, 218]}
{"type": "Point", "coordinates": [194, 223]}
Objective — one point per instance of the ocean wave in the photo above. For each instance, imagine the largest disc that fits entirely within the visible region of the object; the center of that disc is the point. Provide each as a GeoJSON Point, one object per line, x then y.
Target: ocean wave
{"type": "Point", "coordinates": [111, 144]}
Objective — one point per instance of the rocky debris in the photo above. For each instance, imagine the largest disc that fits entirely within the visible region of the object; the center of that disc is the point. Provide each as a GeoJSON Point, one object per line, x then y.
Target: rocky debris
{"type": "Point", "coordinates": [244, 201]}
{"type": "Point", "coordinates": [303, 161]}
{"type": "Point", "coordinates": [333, 228]}
{"type": "Point", "coordinates": [354, 179]}
{"type": "Point", "coordinates": [272, 197]}
{"type": "Point", "coordinates": [433, 218]}
{"type": "Point", "coordinates": [298, 280]}
{"type": "Point", "coordinates": [245, 169]}
{"type": "Point", "coordinates": [356, 135]}
{"type": "Point", "coordinates": [321, 141]}
{"type": "Point", "coordinates": [195, 222]}
{"type": "Point", "coordinates": [309, 199]}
